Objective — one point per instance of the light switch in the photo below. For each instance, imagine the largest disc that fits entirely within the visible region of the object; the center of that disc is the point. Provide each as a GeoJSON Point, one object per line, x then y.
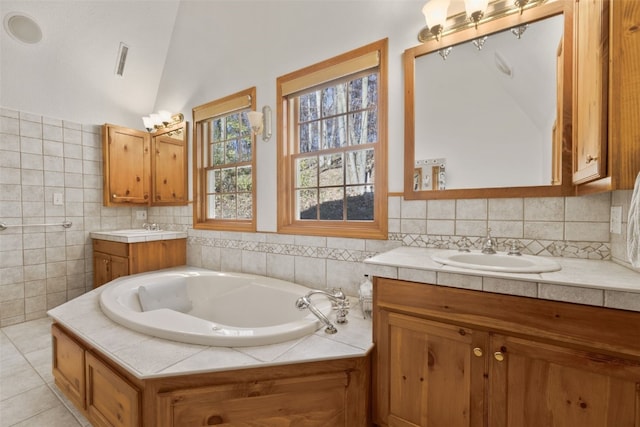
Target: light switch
{"type": "Point", "coordinates": [58, 199]}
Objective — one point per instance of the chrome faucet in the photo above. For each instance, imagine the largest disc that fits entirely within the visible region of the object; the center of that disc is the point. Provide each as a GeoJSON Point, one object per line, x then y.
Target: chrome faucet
{"type": "Point", "coordinates": [339, 302]}
{"type": "Point", "coordinates": [151, 227]}
{"type": "Point", "coordinates": [489, 244]}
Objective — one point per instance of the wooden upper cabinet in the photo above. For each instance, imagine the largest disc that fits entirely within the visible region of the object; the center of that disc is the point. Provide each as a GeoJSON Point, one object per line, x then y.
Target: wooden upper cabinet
{"type": "Point", "coordinates": [606, 107]}
{"type": "Point", "coordinates": [591, 64]}
{"type": "Point", "coordinates": [126, 159]}
{"type": "Point", "coordinates": [145, 169]}
{"type": "Point", "coordinates": [169, 167]}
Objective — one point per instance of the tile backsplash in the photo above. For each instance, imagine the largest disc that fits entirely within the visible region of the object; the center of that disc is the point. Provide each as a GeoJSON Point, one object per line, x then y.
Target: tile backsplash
{"type": "Point", "coordinates": [42, 267]}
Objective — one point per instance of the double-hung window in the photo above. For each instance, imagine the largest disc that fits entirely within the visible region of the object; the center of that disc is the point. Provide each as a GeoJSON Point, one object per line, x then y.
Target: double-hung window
{"type": "Point", "coordinates": [332, 172]}
{"type": "Point", "coordinates": [224, 164]}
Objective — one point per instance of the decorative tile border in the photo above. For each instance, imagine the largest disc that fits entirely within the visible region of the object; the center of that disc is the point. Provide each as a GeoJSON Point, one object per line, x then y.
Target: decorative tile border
{"type": "Point", "coordinates": [557, 248]}
{"type": "Point", "coordinates": [336, 254]}
{"type": "Point", "coordinates": [583, 250]}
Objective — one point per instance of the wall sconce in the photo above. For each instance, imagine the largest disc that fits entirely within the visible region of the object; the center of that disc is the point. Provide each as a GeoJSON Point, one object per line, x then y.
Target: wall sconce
{"type": "Point", "coordinates": [260, 122]}
{"type": "Point", "coordinates": [435, 14]}
{"type": "Point", "coordinates": [475, 10]}
{"type": "Point", "coordinates": [161, 119]}
{"type": "Point", "coordinates": [439, 24]}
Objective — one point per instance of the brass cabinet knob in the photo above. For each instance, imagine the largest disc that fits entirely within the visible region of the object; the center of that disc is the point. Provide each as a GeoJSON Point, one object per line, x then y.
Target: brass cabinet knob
{"type": "Point", "coordinates": [498, 356]}
{"type": "Point", "coordinates": [477, 352]}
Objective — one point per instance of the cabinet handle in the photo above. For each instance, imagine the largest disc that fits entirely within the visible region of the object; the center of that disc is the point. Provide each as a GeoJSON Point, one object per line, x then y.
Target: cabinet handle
{"type": "Point", "coordinates": [498, 356]}
{"type": "Point", "coordinates": [477, 352]}
{"type": "Point", "coordinates": [591, 158]}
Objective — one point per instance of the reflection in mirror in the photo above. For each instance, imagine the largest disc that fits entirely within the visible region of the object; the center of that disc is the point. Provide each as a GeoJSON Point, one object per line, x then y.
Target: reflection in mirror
{"type": "Point", "coordinates": [504, 99]}
{"type": "Point", "coordinates": [492, 112]}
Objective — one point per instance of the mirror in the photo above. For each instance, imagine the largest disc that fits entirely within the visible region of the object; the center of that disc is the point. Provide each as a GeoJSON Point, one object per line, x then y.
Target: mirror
{"type": "Point", "coordinates": [488, 111]}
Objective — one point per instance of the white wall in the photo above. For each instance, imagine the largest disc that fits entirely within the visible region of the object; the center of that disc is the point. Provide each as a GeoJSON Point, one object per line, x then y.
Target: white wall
{"type": "Point", "coordinates": [221, 47]}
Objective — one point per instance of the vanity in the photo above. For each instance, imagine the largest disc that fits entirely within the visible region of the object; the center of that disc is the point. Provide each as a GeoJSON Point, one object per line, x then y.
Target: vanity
{"type": "Point", "coordinates": [123, 252]}
{"type": "Point", "coordinates": [464, 347]}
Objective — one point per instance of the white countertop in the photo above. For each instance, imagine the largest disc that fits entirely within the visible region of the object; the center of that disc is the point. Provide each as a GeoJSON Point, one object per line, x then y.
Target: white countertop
{"type": "Point", "coordinates": [591, 282]}
{"type": "Point", "coordinates": [136, 236]}
{"type": "Point", "coordinates": [146, 357]}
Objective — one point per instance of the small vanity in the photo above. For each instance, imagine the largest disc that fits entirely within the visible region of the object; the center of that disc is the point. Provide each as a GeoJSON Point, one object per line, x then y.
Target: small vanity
{"type": "Point", "coordinates": [457, 346]}
{"type": "Point", "coordinates": [123, 252]}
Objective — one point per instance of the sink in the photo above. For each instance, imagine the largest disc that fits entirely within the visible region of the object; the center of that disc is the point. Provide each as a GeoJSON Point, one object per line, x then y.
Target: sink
{"type": "Point", "coordinates": [135, 231]}
{"type": "Point", "coordinates": [497, 262]}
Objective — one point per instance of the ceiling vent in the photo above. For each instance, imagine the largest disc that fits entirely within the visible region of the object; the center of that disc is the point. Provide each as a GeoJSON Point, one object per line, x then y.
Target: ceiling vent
{"type": "Point", "coordinates": [121, 59]}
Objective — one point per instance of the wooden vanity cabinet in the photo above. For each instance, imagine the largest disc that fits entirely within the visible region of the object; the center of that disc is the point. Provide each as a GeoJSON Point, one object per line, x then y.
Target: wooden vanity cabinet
{"type": "Point", "coordinates": [453, 357]}
{"type": "Point", "coordinates": [68, 366]}
{"type": "Point", "coordinates": [115, 259]}
{"type": "Point", "coordinates": [146, 169]}
{"type": "Point", "coordinates": [606, 104]}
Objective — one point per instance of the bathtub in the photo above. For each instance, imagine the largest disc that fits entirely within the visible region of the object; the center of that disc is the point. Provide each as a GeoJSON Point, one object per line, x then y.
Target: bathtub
{"type": "Point", "coordinates": [206, 307]}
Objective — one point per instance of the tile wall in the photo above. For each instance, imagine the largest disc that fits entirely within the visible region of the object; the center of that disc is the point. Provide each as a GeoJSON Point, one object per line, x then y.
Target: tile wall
{"type": "Point", "coordinates": [42, 267]}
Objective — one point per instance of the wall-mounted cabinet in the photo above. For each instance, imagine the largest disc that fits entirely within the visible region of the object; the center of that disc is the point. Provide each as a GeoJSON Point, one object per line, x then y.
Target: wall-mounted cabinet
{"type": "Point", "coordinates": [606, 106]}
{"type": "Point", "coordinates": [141, 168]}
{"type": "Point", "coordinates": [460, 358]}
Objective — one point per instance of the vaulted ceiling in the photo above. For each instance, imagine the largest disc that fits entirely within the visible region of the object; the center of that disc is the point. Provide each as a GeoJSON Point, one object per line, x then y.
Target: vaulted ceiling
{"type": "Point", "coordinates": [70, 73]}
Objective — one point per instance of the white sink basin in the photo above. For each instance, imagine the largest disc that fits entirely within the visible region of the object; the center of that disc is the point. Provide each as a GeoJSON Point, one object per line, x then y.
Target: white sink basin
{"type": "Point", "coordinates": [135, 231]}
{"type": "Point", "coordinates": [497, 262]}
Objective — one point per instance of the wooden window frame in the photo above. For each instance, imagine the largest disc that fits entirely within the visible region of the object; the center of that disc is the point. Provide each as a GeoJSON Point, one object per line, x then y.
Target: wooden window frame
{"type": "Point", "coordinates": [333, 69]}
{"type": "Point", "coordinates": [237, 101]}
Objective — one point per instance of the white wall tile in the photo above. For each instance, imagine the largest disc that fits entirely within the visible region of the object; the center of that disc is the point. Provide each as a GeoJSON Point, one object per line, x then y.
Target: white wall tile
{"type": "Point", "coordinates": [544, 209]}
{"type": "Point", "coordinates": [472, 209]}
{"type": "Point", "coordinates": [593, 208]}
{"type": "Point", "coordinates": [506, 209]}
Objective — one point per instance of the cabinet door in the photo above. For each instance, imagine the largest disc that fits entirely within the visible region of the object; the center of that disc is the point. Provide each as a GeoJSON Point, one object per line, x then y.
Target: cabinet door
{"type": "Point", "coordinates": [68, 366]}
{"type": "Point", "coordinates": [119, 266]}
{"type": "Point", "coordinates": [591, 54]}
{"type": "Point", "coordinates": [534, 384]}
{"type": "Point", "coordinates": [127, 166]}
{"type": "Point", "coordinates": [158, 254]}
{"type": "Point", "coordinates": [101, 269]}
{"type": "Point", "coordinates": [111, 400]}
{"type": "Point", "coordinates": [169, 167]}
{"type": "Point", "coordinates": [435, 373]}
{"type": "Point", "coordinates": [318, 400]}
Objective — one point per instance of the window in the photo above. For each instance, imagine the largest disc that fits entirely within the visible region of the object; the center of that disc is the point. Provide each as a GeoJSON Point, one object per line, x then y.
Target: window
{"type": "Point", "coordinates": [224, 164]}
{"type": "Point", "coordinates": [332, 171]}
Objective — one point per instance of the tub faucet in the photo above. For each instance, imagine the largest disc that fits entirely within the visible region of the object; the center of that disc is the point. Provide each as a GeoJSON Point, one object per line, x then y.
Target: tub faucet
{"type": "Point", "coordinates": [489, 244]}
{"type": "Point", "coordinates": [338, 300]}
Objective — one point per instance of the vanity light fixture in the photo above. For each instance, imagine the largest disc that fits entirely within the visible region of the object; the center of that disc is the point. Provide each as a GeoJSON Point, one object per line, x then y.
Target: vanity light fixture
{"type": "Point", "coordinates": [260, 122]}
{"type": "Point", "coordinates": [476, 12]}
{"type": "Point", "coordinates": [479, 42]}
{"type": "Point", "coordinates": [435, 15]}
{"type": "Point", "coordinates": [519, 30]}
{"type": "Point", "coordinates": [160, 120]}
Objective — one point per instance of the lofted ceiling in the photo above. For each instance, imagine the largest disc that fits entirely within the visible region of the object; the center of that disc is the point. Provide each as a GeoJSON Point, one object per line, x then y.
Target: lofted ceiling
{"type": "Point", "coordinates": [70, 73]}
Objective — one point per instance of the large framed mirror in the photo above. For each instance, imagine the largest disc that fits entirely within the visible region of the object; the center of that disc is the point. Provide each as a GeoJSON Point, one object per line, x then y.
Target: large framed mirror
{"type": "Point", "coordinates": [488, 110]}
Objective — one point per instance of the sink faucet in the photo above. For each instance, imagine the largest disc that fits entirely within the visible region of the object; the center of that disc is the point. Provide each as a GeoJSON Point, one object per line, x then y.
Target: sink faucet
{"type": "Point", "coordinates": [150, 227]}
{"type": "Point", "coordinates": [489, 244]}
{"type": "Point", "coordinates": [338, 299]}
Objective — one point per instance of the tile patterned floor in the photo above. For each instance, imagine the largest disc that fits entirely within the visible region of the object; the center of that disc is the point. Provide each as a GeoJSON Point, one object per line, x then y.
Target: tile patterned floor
{"type": "Point", "coordinates": [28, 395]}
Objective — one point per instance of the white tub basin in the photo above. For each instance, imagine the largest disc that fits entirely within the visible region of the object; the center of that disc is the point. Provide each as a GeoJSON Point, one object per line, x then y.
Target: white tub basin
{"type": "Point", "coordinates": [211, 308]}
{"type": "Point", "coordinates": [497, 262]}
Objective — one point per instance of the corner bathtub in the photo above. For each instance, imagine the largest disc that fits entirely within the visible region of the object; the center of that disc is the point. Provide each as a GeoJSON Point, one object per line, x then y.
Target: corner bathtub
{"type": "Point", "coordinates": [211, 308]}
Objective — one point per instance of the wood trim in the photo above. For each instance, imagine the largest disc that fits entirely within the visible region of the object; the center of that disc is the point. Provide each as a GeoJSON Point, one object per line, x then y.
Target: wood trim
{"type": "Point", "coordinates": [409, 56]}
{"type": "Point", "coordinates": [221, 106]}
{"type": "Point", "coordinates": [287, 224]}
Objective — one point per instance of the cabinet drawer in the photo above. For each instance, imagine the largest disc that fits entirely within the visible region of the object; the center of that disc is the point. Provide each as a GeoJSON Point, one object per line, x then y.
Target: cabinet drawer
{"type": "Point", "coordinates": [68, 366]}
{"type": "Point", "coordinates": [111, 400]}
{"type": "Point", "coordinates": [111, 248]}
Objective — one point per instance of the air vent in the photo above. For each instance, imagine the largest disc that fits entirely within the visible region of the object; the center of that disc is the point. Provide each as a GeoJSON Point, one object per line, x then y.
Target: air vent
{"type": "Point", "coordinates": [122, 59]}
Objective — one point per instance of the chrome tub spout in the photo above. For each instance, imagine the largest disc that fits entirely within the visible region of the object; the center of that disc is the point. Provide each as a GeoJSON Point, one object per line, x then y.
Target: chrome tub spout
{"type": "Point", "coordinates": [340, 303]}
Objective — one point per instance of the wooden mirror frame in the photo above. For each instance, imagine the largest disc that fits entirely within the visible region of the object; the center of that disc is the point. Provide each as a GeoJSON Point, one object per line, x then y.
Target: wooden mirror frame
{"type": "Point", "coordinates": [565, 187]}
